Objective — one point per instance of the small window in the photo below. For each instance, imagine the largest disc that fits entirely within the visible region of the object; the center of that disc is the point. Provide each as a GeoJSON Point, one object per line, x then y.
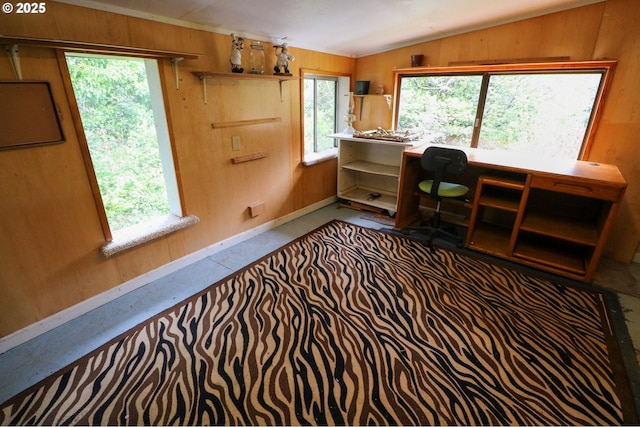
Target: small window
{"type": "Point", "coordinates": [124, 123]}
{"type": "Point", "coordinates": [322, 105]}
{"type": "Point", "coordinates": [547, 110]}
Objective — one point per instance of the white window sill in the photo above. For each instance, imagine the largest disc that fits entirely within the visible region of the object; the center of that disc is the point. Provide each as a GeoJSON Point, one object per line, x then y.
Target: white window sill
{"type": "Point", "coordinates": [147, 231]}
{"type": "Point", "coordinates": [314, 158]}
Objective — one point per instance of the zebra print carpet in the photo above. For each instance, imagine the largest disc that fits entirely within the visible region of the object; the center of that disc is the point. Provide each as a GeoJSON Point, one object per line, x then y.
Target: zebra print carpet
{"type": "Point", "coordinates": [350, 326]}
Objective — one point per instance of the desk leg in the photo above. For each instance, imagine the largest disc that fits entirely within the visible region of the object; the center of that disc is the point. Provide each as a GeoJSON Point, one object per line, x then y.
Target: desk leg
{"type": "Point", "coordinates": [408, 203]}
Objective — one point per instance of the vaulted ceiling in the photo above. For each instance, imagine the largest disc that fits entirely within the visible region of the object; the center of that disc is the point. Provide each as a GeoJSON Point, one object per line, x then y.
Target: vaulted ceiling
{"type": "Point", "coordinates": [344, 27]}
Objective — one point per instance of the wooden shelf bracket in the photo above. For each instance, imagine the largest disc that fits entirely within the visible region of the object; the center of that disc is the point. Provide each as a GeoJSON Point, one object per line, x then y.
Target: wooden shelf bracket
{"type": "Point", "coordinates": [388, 98]}
{"type": "Point", "coordinates": [203, 79]}
{"type": "Point", "coordinates": [203, 75]}
{"type": "Point", "coordinates": [12, 51]}
{"type": "Point", "coordinates": [174, 62]}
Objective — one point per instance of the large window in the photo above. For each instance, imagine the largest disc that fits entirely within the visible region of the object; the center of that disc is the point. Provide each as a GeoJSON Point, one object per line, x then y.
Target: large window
{"type": "Point", "coordinates": [323, 103]}
{"type": "Point", "coordinates": [124, 123]}
{"type": "Point", "coordinates": [546, 110]}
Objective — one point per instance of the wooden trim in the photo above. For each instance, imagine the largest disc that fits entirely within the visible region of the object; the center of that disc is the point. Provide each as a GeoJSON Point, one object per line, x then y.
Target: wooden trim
{"type": "Point", "coordinates": [220, 125]}
{"type": "Point", "coordinates": [304, 71]}
{"type": "Point", "coordinates": [482, 102]}
{"type": "Point", "coordinates": [510, 61]}
{"type": "Point", "coordinates": [596, 113]}
{"type": "Point", "coordinates": [513, 67]}
{"type": "Point", "coordinates": [84, 146]}
{"type": "Point", "coordinates": [170, 130]}
{"type": "Point", "coordinates": [96, 48]}
{"type": "Point", "coordinates": [250, 157]}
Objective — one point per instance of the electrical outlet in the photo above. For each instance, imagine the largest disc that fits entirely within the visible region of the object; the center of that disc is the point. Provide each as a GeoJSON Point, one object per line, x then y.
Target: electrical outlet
{"type": "Point", "coordinates": [235, 143]}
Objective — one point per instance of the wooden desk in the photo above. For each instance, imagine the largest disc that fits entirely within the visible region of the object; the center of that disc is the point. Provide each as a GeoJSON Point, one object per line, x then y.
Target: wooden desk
{"type": "Point", "coordinates": [554, 215]}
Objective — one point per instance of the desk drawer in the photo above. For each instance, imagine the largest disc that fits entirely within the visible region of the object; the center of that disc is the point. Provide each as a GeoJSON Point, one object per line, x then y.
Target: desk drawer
{"type": "Point", "coordinates": [579, 188]}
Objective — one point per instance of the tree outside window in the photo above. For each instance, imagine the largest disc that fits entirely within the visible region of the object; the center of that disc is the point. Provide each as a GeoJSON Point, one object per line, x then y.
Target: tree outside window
{"type": "Point", "coordinates": [124, 135]}
{"type": "Point", "coordinates": [324, 102]}
{"type": "Point", "coordinates": [546, 112]}
{"type": "Point", "coordinates": [320, 110]}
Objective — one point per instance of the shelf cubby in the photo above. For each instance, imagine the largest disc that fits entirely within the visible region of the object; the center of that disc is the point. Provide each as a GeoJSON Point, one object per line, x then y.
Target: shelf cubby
{"type": "Point", "coordinates": [369, 166]}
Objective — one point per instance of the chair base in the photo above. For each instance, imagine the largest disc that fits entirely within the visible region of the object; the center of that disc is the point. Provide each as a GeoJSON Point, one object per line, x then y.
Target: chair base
{"type": "Point", "coordinates": [433, 229]}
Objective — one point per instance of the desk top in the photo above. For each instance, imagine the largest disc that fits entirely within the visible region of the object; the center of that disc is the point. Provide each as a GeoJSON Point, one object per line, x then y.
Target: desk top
{"type": "Point", "coordinates": [513, 162]}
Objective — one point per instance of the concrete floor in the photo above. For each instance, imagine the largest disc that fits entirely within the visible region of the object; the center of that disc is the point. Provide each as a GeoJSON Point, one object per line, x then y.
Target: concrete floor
{"type": "Point", "coordinates": [38, 358]}
{"type": "Point", "coordinates": [631, 311]}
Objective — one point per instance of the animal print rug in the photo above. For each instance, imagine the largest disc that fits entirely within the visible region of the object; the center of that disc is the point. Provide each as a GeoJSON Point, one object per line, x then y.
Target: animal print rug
{"type": "Point", "coordinates": [349, 325]}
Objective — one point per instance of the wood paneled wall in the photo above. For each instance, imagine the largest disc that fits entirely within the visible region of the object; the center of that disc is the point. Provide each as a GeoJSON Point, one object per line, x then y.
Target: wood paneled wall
{"type": "Point", "coordinates": [50, 232]}
{"type": "Point", "coordinates": [607, 30]}
{"type": "Point", "coordinates": [49, 228]}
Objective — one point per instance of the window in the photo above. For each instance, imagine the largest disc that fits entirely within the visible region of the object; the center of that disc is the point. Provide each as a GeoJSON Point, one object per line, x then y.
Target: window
{"type": "Point", "coordinates": [545, 110]}
{"type": "Point", "coordinates": [322, 105]}
{"type": "Point", "coordinates": [124, 123]}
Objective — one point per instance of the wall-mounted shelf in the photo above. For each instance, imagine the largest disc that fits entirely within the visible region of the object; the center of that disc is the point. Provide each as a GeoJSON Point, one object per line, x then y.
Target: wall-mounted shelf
{"type": "Point", "coordinates": [212, 74]}
{"type": "Point", "coordinates": [204, 75]}
{"type": "Point", "coordinates": [388, 98]}
{"type": "Point", "coordinates": [218, 125]}
{"type": "Point", "coordinates": [12, 44]}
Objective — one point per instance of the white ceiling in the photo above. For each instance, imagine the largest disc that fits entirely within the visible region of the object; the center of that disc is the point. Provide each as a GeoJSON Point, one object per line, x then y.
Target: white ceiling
{"type": "Point", "coordinates": [344, 27]}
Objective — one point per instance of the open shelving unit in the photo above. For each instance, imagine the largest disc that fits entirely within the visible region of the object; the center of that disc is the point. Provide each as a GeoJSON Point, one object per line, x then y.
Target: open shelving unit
{"type": "Point", "coordinates": [547, 223]}
{"type": "Point", "coordinates": [369, 167]}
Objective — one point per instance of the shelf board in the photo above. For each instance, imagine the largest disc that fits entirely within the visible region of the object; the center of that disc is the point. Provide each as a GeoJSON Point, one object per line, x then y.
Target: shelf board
{"type": "Point", "coordinates": [212, 74]}
{"type": "Point", "coordinates": [491, 239]}
{"type": "Point", "coordinates": [96, 47]}
{"type": "Point", "coordinates": [373, 168]}
{"type": "Point", "coordinates": [370, 94]}
{"type": "Point", "coordinates": [386, 201]}
{"type": "Point", "coordinates": [560, 257]}
{"type": "Point", "coordinates": [568, 229]}
{"type": "Point", "coordinates": [496, 201]}
{"type": "Point", "coordinates": [512, 182]}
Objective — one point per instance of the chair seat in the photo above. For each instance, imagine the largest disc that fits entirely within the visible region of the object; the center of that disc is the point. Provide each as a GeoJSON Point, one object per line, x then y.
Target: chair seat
{"type": "Point", "coordinates": [446, 189]}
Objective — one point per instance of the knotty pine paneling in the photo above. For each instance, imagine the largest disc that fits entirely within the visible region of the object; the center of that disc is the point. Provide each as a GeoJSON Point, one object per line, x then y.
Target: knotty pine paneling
{"type": "Point", "coordinates": [617, 136]}
{"type": "Point", "coordinates": [49, 227]}
{"type": "Point", "coordinates": [606, 30]}
{"type": "Point", "coordinates": [570, 33]}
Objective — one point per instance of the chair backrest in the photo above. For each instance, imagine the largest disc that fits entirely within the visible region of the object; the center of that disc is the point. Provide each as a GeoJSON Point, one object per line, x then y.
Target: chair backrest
{"type": "Point", "coordinates": [443, 160]}
{"type": "Point", "coordinates": [451, 161]}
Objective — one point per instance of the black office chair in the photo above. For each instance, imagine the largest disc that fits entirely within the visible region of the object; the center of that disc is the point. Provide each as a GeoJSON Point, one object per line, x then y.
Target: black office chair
{"type": "Point", "coordinates": [441, 161]}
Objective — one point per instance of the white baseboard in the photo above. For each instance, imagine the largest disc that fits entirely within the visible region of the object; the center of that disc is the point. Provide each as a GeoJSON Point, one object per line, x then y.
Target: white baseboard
{"type": "Point", "coordinates": [32, 331]}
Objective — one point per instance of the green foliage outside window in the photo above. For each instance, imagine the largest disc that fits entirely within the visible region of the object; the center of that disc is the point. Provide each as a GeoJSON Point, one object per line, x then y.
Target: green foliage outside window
{"type": "Point", "coordinates": [544, 114]}
{"type": "Point", "coordinates": [319, 113]}
{"type": "Point", "coordinates": [443, 108]}
{"type": "Point", "coordinates": [115, 106]}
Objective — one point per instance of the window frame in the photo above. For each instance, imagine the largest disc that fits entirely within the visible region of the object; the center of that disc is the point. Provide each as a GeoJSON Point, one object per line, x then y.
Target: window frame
{"type": "Point", "coordinates": [343, 83]}
{"type": "Point", "coordinates": [316, 78]}
{"type": "Point", "coordinates": [120, 240]}
{"type": "Point", "coordinates": [606, 67]}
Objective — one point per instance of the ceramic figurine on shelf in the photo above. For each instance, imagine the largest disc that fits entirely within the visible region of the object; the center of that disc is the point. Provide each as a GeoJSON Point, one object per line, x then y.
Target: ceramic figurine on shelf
{"type": "Point", "coordinates": [350, 117]}
{"type": "Point", "coordinates": [237, 44]}
{"type": "Point", "coordinates": [283, 60]}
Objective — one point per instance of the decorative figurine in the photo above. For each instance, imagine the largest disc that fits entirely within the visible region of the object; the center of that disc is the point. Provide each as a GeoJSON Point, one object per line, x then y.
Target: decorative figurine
{"type": "Point", "coordinates": [283, 60]}
{"type": "Point", "coordinates": [350, 117]}
{"type": "Point", "coordinates": [237, 44]}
